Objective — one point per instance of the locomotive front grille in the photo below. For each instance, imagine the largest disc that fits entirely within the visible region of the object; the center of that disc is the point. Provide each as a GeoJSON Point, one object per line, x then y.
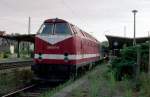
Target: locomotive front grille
{"type": "Point", "coordinates": [48, 71]}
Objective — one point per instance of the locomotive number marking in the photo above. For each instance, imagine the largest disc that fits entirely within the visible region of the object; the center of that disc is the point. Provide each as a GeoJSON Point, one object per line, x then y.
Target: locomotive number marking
{"type": "Point", "coordinates": [52, 47]}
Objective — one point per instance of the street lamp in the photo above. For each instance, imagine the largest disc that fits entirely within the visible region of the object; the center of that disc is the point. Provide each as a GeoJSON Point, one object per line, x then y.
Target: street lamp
{"type": "Point", "coordinates": [137, 66]}
{"type": "Point", "coordinates": [134, 40]}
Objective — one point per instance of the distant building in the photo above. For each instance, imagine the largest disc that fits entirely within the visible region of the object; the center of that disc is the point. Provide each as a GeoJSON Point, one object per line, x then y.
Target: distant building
{"type": "Point", "coordinates": [2, 33]}
{"type": "Point", "coordinates": [4, 46]}
{"type": "Point", "coordinates": [16, 43]}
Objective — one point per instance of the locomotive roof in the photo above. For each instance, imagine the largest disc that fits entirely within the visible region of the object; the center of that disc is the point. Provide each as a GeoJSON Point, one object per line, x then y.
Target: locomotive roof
{"type": "Point", "coordinates": [56, 20]}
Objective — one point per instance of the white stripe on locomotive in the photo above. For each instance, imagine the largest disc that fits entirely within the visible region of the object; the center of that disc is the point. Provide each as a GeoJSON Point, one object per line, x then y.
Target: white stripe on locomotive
{"type": "Point", "coordinates": [70, 57]}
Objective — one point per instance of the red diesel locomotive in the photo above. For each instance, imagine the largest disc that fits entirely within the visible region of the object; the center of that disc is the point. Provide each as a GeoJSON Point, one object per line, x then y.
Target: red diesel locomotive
{"type": "Point", "coordinates": [62, 49]}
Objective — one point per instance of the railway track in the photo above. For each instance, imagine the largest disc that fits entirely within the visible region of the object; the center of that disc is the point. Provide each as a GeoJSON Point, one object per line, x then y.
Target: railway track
{"type": "Point", "coordinates": [33, 90]}
{"type": "Point", "coordinates": [14, 64]}
{"type": "Point", "coordinates": [14, 93]}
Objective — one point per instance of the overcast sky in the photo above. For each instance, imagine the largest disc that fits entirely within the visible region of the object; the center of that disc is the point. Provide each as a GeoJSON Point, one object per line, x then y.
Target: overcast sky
{"type": "Point", "coordinates": [98, 17]}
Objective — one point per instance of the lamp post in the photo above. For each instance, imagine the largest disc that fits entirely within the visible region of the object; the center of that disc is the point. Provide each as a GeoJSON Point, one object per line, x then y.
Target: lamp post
{"type": "Point", "coordinates": [134, 40]}
{"type": "Point", "coordinates": [137, 65]}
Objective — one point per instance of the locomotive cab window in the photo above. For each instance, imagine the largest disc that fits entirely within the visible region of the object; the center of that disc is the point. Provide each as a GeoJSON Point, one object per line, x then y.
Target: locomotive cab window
{"type": "Point", "coordinates": [46, 28]}
{"type": "Point", "coordinates": [62, 29]}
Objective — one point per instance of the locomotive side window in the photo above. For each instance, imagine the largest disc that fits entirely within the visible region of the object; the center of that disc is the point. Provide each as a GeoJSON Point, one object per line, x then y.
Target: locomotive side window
{"type": "Point", "coordinates": [74, 30]}
{"type": "Point", "coordinates": [82, 33]}
{"type": "Point", "coordinates": [46, 28]}
{"type": "Point", "coordinates": [78, 31]}
{"type": "Point", "coordinates": [62, 29]}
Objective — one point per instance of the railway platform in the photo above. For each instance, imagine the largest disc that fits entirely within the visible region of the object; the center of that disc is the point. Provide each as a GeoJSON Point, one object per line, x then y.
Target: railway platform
{"type": "Point", "coordinates": [15, 62]}
{"type": "Point", "coordinates": [9, 60]}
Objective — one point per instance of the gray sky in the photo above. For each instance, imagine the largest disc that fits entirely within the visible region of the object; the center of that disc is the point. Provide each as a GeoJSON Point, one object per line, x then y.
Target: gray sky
{"type": "Point", "coordinates": [98, 17]}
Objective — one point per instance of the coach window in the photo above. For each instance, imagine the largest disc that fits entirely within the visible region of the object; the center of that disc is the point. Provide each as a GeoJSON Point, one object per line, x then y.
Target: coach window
{"type": "Point", "coordinates": [62, 29]}
{"type": "Point", "coordinates": [46, 28]}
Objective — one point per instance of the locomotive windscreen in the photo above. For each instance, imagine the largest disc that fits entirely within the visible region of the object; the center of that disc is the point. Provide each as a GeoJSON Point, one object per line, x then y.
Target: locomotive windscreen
{"type": "Point", "coordinates": [62, 29]}
{"type": "Point", "coordinates": [46, 28]}
{"type": "Point", "coordinates": [55, 29]}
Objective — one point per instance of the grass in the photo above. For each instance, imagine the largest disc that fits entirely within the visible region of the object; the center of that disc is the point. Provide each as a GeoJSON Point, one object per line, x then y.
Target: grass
{"type": "Point", "coordinates": [51, 92]}
{"type": "Point", "coordinates": [4, 55]}
{"type": "Point", "coordinates": [95, 79]}
{"type": "Point", "coordinates": [128, 88]}
{"type": "Point", "coordinates": [5, 83]}
{"type": "Point", "coordinates": [145, 85]}
{"type": "Point", "coordinates": [101, 82]}
{"type": "Point", "coordinates": [14, 79]}
{"type": "Point", "coordinates": [80, 92]}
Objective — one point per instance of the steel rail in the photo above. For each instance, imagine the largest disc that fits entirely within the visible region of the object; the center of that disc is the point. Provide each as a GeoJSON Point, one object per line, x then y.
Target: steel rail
{"type": "Point", "coordinates": [17, 91]}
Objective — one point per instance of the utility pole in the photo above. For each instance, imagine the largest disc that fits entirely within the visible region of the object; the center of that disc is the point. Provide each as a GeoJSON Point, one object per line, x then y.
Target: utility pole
{"type": "Point", "coordinates": [29, 24]}
{"type": "Point", "coordinates": [134, 40]}
{"type": "Point", "coordinates": [149, 54]}
{"type": "Point", "coordinates": [124, 31]}
{"type": "Point", "coordinates": [29, 29]}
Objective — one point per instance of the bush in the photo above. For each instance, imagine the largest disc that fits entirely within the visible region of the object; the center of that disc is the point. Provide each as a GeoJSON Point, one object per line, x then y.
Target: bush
{"type": "Point", "coordinates": [125, 64]}
{"type": "Point", "coordinates": [5, 55]}
{"type": "Point", "coordinates": [122, 68]}
{"type": "Point", "coordinates": [1, 55]}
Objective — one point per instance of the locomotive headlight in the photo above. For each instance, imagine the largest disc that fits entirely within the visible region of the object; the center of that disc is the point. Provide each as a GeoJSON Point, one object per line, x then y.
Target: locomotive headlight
{"type": "Point", "coordinates": [40, 56]}
{"type": "Point", "coordinates": [66, 59]}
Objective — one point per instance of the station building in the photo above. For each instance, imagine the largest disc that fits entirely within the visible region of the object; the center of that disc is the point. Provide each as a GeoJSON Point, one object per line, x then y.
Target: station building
{"type": "Point", "coordinates": [14, 43]}
{"type": "Point", "coordinates": [116, 42]}
{"type": "Point", "coordinates": [4, 46]}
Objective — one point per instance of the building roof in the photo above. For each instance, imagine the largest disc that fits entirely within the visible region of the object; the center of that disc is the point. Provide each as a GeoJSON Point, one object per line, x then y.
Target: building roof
{"type": "Point", "coordinates": [25, 37]}
{"type": "Point", "coordinates": [117, 42]}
